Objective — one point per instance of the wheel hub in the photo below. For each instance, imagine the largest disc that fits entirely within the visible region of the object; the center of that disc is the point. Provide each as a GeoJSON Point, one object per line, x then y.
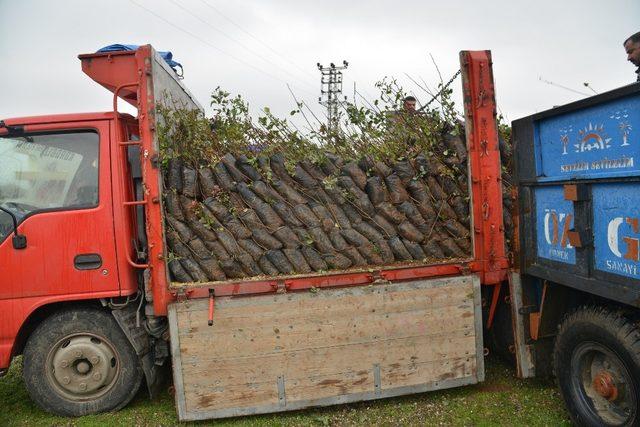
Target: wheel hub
{"type": "Point", "coordinates": [605, 386]}
{"type": "Point", "coordinates": [82, 366]}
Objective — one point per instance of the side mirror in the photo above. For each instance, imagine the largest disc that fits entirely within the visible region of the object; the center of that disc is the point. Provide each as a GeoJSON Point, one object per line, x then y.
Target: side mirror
{"type": "Point", "coordinates": [19, 240]}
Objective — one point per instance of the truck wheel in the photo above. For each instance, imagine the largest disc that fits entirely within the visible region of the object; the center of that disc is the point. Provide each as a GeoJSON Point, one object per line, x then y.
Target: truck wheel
{"type": "Point", "coordinates": [597, 365]}
{"type": "Point", "coordinates": [80, 362]}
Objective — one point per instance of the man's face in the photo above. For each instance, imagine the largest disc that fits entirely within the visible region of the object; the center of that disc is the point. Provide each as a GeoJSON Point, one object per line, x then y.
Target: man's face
{"type": "Point", "coordinates": [410, 105]}
{"type": "Point", "coordinates": [633, 52]}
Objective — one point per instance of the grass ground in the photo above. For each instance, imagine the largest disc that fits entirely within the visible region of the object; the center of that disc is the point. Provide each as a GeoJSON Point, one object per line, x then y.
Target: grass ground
{"type": "Point", "coordinates": [500, 400]}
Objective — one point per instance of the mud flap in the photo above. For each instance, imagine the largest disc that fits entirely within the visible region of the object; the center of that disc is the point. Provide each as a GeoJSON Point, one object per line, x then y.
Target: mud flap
{"type": "Point", "coordinates": [142, 344]}
{"type": "Point", "coordinates": [290, 351]}
{"type": "Point", "coordinates": [524, 356]}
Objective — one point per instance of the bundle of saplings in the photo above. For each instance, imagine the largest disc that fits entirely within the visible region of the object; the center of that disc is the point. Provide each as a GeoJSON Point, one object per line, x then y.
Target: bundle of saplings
{"type": "Point", "coordinates": [508, 196]}
{"type": "Point", "coordinates": [247, 198]}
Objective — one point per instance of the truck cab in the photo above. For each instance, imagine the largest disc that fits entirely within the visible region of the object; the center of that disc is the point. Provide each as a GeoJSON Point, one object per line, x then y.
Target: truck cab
{"type": "Point", "coordinates": [73, 243]}
{"type": "Point", "coordinates": [60, 184]}
{"type": "Point", "coordinates": [65, 240]}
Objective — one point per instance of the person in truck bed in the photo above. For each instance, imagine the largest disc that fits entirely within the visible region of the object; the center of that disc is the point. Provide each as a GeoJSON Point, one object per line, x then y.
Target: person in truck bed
{"type": "Point", "coordinates": [632, 46]}
{"type": "Point", "coordinates": [409, 104]}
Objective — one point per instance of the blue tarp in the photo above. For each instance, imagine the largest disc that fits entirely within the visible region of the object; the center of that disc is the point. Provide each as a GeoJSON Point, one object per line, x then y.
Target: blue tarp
{"type": "Point", "coordinates": [167, 56]}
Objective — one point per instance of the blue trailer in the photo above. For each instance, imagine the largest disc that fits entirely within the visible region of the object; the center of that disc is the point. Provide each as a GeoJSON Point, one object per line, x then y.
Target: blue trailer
{"type": "Point", "coordinates": [575, 293]}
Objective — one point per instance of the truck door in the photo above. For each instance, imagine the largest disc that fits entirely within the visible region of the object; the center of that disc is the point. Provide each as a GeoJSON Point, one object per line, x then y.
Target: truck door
{"type": "Point", "coordinates": [57, 184]}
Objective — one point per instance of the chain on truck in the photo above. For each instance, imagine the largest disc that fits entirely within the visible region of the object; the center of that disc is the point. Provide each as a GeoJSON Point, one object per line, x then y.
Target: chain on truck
{"type": "Point", "coordinates": [87, 299]}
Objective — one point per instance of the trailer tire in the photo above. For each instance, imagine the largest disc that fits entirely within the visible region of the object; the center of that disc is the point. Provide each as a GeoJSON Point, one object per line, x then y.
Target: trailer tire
{"type": "Point", "coordinates": [596, 360]}
{"type": "Point", "coordinates": [79, 362]}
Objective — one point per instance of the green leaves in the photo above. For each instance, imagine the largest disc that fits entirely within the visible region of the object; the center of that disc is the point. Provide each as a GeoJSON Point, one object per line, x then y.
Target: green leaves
{"type": "Point", "coordinates": [379, 130]}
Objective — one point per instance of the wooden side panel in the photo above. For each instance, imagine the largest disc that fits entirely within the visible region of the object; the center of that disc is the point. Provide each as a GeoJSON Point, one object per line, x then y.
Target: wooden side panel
{"type": "Point", "coordinates": [524, 357]}
{"type": "Point", "coordinates": [289, 351]}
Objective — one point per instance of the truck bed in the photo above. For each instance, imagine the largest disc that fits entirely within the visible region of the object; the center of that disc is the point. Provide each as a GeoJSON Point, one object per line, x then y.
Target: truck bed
{"type": "Point", "coordinates": [289, 342]}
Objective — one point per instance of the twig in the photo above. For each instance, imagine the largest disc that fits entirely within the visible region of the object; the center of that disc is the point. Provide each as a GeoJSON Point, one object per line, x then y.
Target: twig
{"type": "Point", "coordinates": [435, 221]}
{"type": "Point", "coordinates": [437, 69]}
{"type": "Point", "coordinates": [426, 89]}
{"type": "Point", "coordinates": [299, 105]}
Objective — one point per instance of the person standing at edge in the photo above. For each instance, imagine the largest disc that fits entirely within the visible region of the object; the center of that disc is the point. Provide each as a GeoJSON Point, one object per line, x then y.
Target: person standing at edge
{"type": "Point", "coordinates": [632, 46]}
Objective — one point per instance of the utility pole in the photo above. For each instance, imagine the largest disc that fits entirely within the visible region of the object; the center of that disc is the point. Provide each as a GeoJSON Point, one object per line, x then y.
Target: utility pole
{"type": "Point", "coordinates": [331, 90]}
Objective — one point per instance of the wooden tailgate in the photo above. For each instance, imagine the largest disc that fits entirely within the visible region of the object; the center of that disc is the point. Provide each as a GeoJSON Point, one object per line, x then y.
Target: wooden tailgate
{"type": "Point", "coordinates": [295, 350]}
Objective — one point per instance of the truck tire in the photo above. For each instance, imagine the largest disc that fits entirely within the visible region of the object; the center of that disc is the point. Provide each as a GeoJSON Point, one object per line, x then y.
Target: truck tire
{"type": "Point", "coordinates": [79, 362]}
{"type": "Point", "coordinates": [596, 360]}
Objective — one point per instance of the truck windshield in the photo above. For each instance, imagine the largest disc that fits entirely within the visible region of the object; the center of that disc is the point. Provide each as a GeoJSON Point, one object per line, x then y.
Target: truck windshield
{"type": "Point", "coordinates": [47, 171]}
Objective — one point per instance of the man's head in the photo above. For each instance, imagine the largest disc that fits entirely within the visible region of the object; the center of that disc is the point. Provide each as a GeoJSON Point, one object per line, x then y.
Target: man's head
{"type": "Point", "coordinates": [409, 103]}
{"type": "Point", "coordinates": [632, 46]}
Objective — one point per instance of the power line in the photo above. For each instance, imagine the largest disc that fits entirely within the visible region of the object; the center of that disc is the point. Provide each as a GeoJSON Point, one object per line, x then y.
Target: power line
{"type": "Point", "coordinates": [215, 9]}
{"type": "Point", "coordinates": [237, 41]}
{"type": "Point", "coordinates": [189, 33]}
{"type": "Point", "coordinates": [561, 87]}
{"type": "Point", "coordinates": [587, 85]}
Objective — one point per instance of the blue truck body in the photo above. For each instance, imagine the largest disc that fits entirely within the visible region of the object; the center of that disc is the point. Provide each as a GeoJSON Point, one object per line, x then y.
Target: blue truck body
{"type": "Point", "coordinates": [578, 176]}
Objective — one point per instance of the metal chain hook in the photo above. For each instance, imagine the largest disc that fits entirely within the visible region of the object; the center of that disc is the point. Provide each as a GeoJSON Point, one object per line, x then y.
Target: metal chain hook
{"type": "Point", "coordinates": [446, 86]}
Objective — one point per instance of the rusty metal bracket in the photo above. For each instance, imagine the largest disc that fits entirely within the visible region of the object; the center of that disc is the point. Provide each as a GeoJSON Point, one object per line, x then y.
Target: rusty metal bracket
{"type": "Point", "coordinates": [281, 287]}
{"type": "Point", "coordinates": [181, 294]}
{"type": "Point", "coordinates": [378, 278]}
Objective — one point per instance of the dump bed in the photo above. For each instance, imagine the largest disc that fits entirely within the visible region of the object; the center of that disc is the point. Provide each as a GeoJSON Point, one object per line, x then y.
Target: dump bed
{"type": "Point", "coordinates": [578, 173]}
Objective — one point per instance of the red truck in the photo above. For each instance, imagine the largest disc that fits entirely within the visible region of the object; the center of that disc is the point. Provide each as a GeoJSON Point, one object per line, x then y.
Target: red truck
{"type": "Point", "coordinates": [88, 301]}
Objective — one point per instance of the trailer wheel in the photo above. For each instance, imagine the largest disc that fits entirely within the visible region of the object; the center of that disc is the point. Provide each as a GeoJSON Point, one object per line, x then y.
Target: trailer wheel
{"type": "Point", "coordinates": [79, 362]}
{"type": "Point", "coordinates": [597, 365]}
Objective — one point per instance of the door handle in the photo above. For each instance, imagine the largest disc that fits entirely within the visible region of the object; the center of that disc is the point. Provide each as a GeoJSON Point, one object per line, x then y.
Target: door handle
{"type": "Point", "coordinates": [87, 261]}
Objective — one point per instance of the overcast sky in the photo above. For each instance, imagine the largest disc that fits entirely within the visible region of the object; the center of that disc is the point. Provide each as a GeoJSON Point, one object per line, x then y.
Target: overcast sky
{"type": "Point", "coordinates": [255, 47]}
